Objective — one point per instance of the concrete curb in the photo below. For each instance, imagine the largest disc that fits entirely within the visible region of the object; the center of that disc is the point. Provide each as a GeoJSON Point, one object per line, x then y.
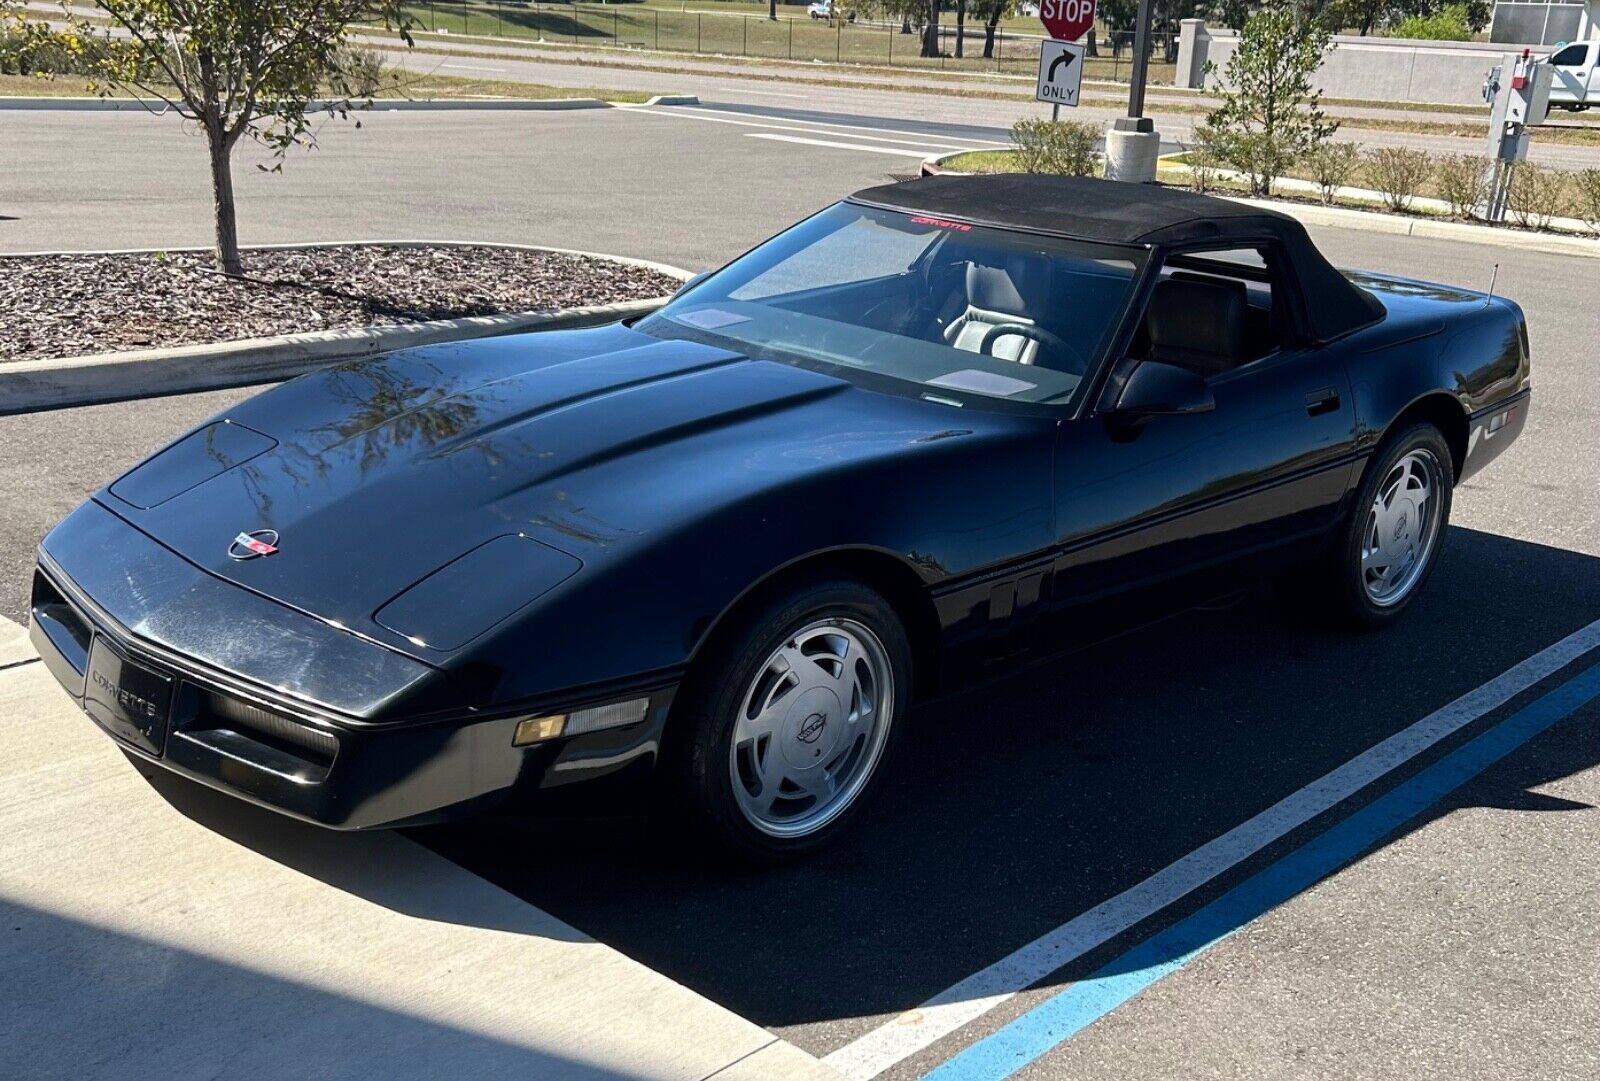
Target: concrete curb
{"type": "Point", "coordinates": [1372, 221]}
{"type": "Point", "coordinates": [289, 931]}
{"type": "Point", "coordinates": [58, 383]}
{"type": "Point", "coordinates": [378, 106]}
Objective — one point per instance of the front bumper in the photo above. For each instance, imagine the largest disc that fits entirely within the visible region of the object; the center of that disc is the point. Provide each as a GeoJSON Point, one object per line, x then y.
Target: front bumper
{"type": "Point", "coordinates": [275, 706]}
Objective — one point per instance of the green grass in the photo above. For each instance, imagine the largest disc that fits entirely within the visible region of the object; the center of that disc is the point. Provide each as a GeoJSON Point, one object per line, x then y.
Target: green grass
{"type": "Point", "coordinates": [450, 87]}
{"type": "Point", "coordinates": [794, 36]}
{"type": "Point", "coordinates": [32, 86]}
{"type": "Point", "coordinates": [984, 161]}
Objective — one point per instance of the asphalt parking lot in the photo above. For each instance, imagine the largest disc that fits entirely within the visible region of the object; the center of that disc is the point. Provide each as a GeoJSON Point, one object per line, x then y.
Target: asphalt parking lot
{"type": "Point", "coordinates": [1460, 942]}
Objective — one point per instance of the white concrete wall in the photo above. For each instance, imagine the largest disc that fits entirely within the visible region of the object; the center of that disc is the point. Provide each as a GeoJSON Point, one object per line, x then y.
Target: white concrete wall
{"type": "Point", "coordinates": [1374, 69]}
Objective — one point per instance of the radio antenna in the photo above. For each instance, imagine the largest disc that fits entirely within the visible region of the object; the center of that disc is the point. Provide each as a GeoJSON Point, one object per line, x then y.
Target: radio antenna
{"type": "Point", "coordinates": [1494, 275]}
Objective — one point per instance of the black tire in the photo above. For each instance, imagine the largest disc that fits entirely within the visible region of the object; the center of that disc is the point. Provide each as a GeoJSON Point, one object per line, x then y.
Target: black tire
{"type": "Point", "coordinates": [699, 750]}
{"type": "Point", "coordinates": [1346, 591]}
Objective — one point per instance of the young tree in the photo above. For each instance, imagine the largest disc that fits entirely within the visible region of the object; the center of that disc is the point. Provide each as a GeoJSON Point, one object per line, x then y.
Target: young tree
{"type": "Point", "coordinates": [1270, 116]}
{"type": "Point", "coordinates": [234, 68]}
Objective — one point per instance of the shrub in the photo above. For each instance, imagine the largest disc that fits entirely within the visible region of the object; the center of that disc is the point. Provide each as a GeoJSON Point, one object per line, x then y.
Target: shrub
{"type": "Point", "coordinates": [1462, 180]}
{"type": "Point", "coordinates": [1331, 166]}
{"type": "Point", "coordinates": [1449, 23]}
{"type": "Point", "coordinates": [34, 49]}
{"type": "Point", "coordinates": [1586, 196]}
{"type": "Point", "coordinates": [1535, 194]}
{"type": "Point", "coordinates": [1398, 172]}
{"type": "Point", "coordinates": [1064, 147]}
{"type": "Point", "coordinates": [1203, 164]}
{"type": "Point", "coordinates": [31, 47]}
{"type": "Point", "coordinates": [1259, 156]}
{"type": "Point", "coordinates": [359, 72]}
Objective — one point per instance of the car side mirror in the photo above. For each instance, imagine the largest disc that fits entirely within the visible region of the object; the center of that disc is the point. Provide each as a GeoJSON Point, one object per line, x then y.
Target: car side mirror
{"type": "Point", "coordinates": [693, 280]}
{"type": "Point", "coordinates": [1157, 389]}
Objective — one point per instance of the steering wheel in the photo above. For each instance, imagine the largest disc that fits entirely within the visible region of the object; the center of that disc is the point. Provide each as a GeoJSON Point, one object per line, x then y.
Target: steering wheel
{"type": "Point", "coordinates": [1028, 330]}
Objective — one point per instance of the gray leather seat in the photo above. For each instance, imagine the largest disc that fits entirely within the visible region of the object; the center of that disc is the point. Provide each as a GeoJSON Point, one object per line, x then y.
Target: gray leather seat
{"type": "Point", "coordinates": [1199, 325]}
{"type": "Point", "coordinates": [1014, 293]}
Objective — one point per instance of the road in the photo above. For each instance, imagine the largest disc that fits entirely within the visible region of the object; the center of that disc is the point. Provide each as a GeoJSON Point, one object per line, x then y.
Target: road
{"type": "Point", "coordinates": [831, 89]}
{"type": "Point", "coordinates": [1463, 946]}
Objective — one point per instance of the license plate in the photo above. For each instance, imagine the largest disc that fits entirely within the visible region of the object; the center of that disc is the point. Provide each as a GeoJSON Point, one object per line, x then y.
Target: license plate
{"type": "Point", "coordinates": [127, 699]}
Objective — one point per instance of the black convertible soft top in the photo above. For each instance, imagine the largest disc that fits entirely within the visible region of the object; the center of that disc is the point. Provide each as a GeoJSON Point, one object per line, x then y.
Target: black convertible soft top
{"type": "Point", "coordinates": [1115, 212]}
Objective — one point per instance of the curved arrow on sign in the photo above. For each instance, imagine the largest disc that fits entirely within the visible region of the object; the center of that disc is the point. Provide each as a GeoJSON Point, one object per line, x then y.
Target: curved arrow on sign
{"type": "Point", "coordinates": [1063, 58]}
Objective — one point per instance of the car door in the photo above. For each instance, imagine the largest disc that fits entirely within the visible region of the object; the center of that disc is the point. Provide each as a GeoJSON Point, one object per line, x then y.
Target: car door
{"type": "Point", "coordinates": [1573, 73]}
{"type": "Point", "coordinates": [1147, 500]}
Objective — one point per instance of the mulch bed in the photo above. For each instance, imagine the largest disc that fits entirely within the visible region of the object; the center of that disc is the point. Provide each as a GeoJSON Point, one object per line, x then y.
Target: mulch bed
{"type": "Point", "coordinates": [73, 305]}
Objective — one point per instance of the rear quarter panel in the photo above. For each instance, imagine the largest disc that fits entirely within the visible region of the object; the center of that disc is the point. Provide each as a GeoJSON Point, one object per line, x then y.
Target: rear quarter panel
{"type": "Point", "coordinates": [1437, 340]}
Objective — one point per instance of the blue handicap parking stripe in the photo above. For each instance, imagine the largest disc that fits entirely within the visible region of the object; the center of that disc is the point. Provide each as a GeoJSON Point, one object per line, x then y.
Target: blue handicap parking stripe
{"type": "Point", "coordinates": [1072, 1009]}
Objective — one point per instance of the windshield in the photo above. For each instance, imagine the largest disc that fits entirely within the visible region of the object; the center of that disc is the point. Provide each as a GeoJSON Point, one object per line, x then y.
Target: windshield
{"type": "Point", "coordinates": [956, 309]}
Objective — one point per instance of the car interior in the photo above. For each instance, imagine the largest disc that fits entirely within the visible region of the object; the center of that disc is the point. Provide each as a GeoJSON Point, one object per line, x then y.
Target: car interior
{"type": "Point", "coordinates": [1211, 312]}
{"type": "Point", "coordinates": [1032, 314]}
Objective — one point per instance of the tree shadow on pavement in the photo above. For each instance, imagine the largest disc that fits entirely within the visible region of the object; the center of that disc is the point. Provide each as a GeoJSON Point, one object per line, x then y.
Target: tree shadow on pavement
{"type": "Point", "coordinates": [94, 1002]}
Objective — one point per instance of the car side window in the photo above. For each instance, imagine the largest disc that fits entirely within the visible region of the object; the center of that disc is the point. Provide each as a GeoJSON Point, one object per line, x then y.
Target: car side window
{"type": "Point", "coordinates": [1215, 312]}
{"type": "Point", "coordinates": [1573, 56]}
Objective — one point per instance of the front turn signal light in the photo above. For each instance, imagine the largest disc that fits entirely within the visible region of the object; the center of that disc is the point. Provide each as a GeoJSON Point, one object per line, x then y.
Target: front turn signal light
{"type": "Point", "coordinates": [538, 729]}
{"type": "Point", "coordinates": [579, 721]}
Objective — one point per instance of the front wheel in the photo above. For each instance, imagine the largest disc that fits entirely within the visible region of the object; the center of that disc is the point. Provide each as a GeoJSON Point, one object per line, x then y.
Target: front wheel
{"type": "Point", "coordinates": [786, 722]}
{"type": "Point", "coordinates": [1391, 541]}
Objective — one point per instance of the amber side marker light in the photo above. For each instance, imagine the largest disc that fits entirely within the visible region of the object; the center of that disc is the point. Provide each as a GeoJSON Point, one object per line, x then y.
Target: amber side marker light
{"type": "Point", "coordinates": [579, 721]}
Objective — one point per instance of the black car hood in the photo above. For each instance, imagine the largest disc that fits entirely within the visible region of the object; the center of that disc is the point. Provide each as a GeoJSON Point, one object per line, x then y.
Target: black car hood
{"type": "Point", "coordinates": [376, 474]}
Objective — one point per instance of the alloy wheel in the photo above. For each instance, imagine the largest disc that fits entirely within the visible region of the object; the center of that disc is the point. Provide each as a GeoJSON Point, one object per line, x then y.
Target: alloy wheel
{"type": "Point", "coordinates": [811, 728]}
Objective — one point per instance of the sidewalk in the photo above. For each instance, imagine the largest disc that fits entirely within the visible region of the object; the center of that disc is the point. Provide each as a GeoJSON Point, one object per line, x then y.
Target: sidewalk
{"type": "Point", "coordinates": [163, 930]}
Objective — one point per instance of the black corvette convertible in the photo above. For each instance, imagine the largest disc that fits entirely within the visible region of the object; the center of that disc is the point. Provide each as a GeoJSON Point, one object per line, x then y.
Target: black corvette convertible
{"type": "Point", "coordinates": [716, 554]}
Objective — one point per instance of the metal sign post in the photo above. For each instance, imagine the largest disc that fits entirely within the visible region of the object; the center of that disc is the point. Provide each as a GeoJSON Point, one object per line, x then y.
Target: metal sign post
{"type": "Point", "coordinates": [1065, 21]}
{"type": "Point", "coordinates": [1141, 60]}
{"type": "Point", "coordinates": [1132, 145]}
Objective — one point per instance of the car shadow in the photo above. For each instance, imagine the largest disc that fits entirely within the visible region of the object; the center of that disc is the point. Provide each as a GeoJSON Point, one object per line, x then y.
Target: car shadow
{"type": "Point", "coordinates": [380, 866]}
{"type": "Point", "coordinates": [1018, 805]}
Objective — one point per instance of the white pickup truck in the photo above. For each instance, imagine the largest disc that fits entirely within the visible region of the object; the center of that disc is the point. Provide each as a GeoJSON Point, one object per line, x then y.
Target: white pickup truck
{"type": "Point", "coordinates": [1576, 81]}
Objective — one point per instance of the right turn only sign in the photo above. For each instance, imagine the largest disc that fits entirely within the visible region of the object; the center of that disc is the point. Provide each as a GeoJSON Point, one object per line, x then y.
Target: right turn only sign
{"type": "Point", "coordinates": [1060, 72]}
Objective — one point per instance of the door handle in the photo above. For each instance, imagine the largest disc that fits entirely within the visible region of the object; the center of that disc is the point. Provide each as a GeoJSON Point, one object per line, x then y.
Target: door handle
{"type": "Point", "coordinates": [1322, 401]}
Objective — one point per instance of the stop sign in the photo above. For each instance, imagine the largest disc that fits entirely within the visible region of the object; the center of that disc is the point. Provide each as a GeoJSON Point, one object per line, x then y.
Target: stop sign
{"type": "Point", "coordinates": [1066, 20]}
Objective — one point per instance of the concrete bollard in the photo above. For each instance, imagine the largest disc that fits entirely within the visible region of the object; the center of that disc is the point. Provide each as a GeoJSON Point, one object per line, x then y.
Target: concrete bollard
{"type": "Point", "coordinates": [1132, 147]}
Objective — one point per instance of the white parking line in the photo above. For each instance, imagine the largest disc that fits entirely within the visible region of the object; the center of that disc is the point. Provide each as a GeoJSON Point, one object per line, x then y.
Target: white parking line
{"type": "Point", "coordinates": [816, 127]}
{"type": "Point", "coordinates": [907, 152]}
{"type": "Point", "coordinates": [765, 93]}
{"type": "Point", "coordinates": [949, 1010]}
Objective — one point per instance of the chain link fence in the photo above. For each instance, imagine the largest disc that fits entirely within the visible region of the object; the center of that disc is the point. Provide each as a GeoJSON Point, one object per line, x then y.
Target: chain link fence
{"type": "Point", "coordinates": [839, 40]}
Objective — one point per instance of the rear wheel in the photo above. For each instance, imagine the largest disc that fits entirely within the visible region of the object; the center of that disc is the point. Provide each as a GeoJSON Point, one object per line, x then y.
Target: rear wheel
{"type": "Point", "coordinates": [786, 722]}
{"type": "Point", "coordinates": [1391, 541]}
